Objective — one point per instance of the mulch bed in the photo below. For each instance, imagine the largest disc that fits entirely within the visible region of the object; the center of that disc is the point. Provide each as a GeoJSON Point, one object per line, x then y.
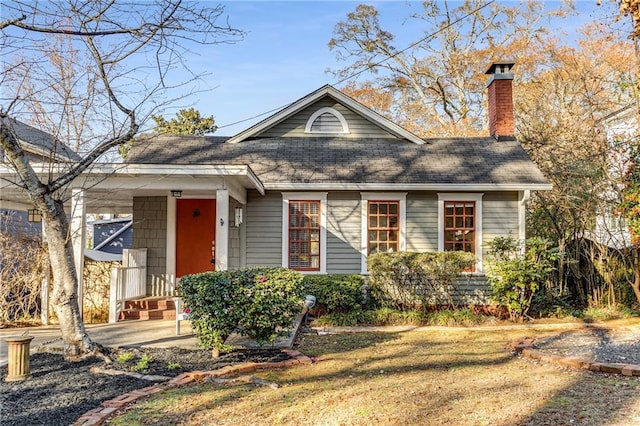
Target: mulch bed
{"type": "Point", "coordinates": [59, 392]}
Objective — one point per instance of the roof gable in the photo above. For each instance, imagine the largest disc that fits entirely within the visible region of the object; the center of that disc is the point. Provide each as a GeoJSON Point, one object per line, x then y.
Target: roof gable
{"type": "Point", "coordinates": [325, 97]}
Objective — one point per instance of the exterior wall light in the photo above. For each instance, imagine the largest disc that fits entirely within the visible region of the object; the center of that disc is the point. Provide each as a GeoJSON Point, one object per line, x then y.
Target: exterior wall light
{"type": "Point", "coordinates": [238, 216]}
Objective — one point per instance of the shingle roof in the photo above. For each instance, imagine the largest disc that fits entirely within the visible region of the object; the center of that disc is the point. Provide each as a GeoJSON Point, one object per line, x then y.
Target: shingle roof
{"type": "Point", "coordinates": [335, 160]}
{"type": "Point", "coordinates": [39, 142]}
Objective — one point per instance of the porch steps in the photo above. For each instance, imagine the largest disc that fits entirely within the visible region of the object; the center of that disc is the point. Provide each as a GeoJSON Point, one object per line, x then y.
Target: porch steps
{"type": "Point", "coordinates": [148, 309]}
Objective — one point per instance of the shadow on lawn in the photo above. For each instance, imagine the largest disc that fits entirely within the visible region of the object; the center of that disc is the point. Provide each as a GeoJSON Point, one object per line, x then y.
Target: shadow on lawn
{"type": "Point", "coordinates": [591, 399]}
{"type": "Point", "coordinates": [604, 398]}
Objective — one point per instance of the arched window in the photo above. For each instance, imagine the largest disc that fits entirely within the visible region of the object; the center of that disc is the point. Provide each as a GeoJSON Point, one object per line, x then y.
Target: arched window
{"type": "Point", "coordinates": [326, 120]}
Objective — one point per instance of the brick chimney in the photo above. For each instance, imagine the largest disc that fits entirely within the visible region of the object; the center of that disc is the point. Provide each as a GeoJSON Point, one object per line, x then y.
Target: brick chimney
{"type": "Point", "coordinates": [500, 100]}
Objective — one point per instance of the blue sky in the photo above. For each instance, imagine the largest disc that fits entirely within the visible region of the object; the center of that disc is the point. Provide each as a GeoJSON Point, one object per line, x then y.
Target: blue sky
{"type": "Point", "coordinates": [285, 54]}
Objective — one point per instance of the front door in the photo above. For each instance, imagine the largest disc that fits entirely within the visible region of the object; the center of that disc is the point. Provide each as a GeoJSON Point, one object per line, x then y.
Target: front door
{"type": "Point", "coordinates": [195, 236]}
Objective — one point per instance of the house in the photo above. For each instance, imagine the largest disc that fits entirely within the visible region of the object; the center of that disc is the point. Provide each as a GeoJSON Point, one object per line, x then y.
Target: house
{"type": "Point", "coordinates": [329, 181]}
{"type": "Point", "coordinates": [317, 187]}
{"type": "Point", "coordinates": [39, 146]}
{"type": "Point", "coordinates": [109, 238]}
{"type": "Point", "coordinates": [622, 129]}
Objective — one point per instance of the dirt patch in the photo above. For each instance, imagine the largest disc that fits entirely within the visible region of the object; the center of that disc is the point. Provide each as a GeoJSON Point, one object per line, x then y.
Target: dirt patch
{"type": "Point", "coordinates": [59, 392]}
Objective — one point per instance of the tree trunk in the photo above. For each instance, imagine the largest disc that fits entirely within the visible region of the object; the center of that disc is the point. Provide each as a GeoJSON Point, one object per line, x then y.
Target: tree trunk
{"type": "Point", "coordinates": [635, 285]}
{"type": "Point", "coordinates": [77, 343]}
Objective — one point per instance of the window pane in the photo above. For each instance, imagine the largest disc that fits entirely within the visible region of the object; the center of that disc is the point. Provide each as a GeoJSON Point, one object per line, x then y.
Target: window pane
{"type": "Point", "coordinates": [459, 222]}
{"type": "Point", "coordinates": [373, 222]}
{"type": "Point", "coordinates": [393, 208]}
{"type": "Point", "coordinates": [373, 208]}
{"type": "Point", "coordinates": [383, 208]}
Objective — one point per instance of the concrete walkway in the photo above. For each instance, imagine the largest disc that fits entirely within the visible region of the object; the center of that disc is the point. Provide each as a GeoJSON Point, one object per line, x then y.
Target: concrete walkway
{"type": "Point", "coordinates": [150, 333]}
{"type": "Point", "coordinates": [159, 333]}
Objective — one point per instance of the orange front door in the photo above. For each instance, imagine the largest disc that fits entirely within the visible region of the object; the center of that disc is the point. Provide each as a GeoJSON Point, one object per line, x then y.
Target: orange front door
{"type": "Point", "coordinates": [195, 236]}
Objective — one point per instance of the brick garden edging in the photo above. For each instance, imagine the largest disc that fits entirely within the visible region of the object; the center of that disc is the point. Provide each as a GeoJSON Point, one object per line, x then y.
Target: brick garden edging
{"type": "Point", "coordinates": [526, 348]}
{"type": "Point", "coordinates": [98, 415]}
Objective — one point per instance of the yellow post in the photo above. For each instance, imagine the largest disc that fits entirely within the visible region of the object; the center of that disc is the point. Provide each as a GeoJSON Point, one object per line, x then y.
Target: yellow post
{"type": "Point", "coordinates": [18, 358]}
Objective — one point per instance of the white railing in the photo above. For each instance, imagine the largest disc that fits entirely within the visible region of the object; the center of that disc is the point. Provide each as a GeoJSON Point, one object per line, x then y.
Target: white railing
{"type": "Point", "coordinates": [128, 281]}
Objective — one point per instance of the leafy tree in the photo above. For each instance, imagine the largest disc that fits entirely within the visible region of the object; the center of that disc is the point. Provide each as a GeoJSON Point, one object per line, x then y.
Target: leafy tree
{"type": "Point", "coordinates": [630, 8]}
{"type": "Point", "coordinates": [630, 207]}
{"type": "Point", "coordinates": [516, 275]}
{"type": "Point", "coordinates": [186, 122]}
{"type": "Point", "coordinates": [132, 47]}
{"type": "Point", "coordinates": [436, 85]}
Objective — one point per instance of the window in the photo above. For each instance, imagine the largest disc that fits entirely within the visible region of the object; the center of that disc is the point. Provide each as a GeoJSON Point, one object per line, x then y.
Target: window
{"type": "Point", "coordinates": [460, 224]}
{"type": "Point", "coordinates": [326, 120]}
{"type": "Point", "coordinates": [383, 229]}
{"type": "Point", "coordinates": [304, 231]}
{"type": "Point", "coordinates": [383, 224]}
{"type": "Point", "coordinates": [304, 235]}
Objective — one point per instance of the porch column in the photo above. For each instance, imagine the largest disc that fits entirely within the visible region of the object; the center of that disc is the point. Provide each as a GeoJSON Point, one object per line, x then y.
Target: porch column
{"type": "Point", "coordinates": [78, 236]}
{"type": "Point", "coordinates": [222, 229]}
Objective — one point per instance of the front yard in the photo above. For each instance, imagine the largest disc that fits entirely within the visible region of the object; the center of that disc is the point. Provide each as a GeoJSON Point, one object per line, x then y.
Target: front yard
{"type": "Point", "coordinates": [414, 377]}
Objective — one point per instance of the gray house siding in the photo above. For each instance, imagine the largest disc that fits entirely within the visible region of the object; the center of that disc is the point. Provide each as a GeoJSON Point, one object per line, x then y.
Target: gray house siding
{"type": "Point", "coordinates": [358, 126]}
{"type": "Point", "coordinates": [499, 216]}
{"type": "Point", "coordinates": [343, 232]}
{"type": "Point", "coordinates": [422, 222]}
{"type": "Point", "coordinates": [150, 231]}
{"type": "Point", "coordinates": [264, 229]}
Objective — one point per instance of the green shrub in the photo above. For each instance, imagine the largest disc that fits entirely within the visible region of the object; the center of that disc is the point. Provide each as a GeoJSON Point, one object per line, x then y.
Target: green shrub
{"type": "Point", "coordinates": [335, 293]}
{"type": "Point", "coordinates": [259, 302]}
{"type": "Point", "coordinates": [271, 304]}
{"type": "Point", "coordinates": [454, 317]}
{"type": "Point", "coordinates": [389, 316]}
{"type": "Point", "coordinates": [405, 280]}
{"type": "Point", "coordinates": [514, 276]}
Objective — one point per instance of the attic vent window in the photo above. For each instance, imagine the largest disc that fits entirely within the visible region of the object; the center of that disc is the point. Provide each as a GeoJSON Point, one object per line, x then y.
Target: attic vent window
{"type": "Point", "coordinates": [327, 120]}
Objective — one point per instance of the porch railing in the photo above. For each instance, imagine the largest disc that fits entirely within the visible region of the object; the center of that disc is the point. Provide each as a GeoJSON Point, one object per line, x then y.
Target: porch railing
{"type": "Point", "coordinates": [128, 281]}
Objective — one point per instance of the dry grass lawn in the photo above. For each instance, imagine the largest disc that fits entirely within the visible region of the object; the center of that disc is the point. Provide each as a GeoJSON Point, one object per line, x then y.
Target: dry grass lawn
{"type": "Point", "coordinates": [422, 377]}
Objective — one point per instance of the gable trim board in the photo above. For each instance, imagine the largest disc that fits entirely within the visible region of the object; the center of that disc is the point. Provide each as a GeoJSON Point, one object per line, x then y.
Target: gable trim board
{"type": "Point", "coordinates": [340, 97]}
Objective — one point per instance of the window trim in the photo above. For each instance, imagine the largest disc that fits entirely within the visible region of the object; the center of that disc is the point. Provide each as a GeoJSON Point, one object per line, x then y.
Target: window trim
{"type": "Point", "coordinates": [332, 111]}
{"type": "Point", "coordinates": [475, 197]}
{"type": "Point", "coordinates": [305, 196]}
{"type": "Point", "coordinates": [401, 198]}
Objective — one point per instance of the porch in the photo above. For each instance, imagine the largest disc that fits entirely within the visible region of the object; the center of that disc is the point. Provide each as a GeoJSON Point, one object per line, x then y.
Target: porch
{"type": "Point", "coordinates": [151, 194]}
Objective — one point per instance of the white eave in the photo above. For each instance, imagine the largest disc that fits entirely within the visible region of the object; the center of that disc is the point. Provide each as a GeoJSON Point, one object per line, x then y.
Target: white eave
{"type": "Point", "coordinates": [345, 100]}
{"type": "Point", "coordinates": [159, 171]}
{"type": "Point", "coordinates": [473, 187]}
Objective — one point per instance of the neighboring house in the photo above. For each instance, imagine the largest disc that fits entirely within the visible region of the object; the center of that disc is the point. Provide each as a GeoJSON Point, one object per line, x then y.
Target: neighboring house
{"type": "Point", "coordinates": [317, 187]}
{"type": "Point", "coordinates": [623, 130]}
{"type": "Point", "coordinates": [110, 237]}
{"type": "Point", "coordinates": [39, 146]}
